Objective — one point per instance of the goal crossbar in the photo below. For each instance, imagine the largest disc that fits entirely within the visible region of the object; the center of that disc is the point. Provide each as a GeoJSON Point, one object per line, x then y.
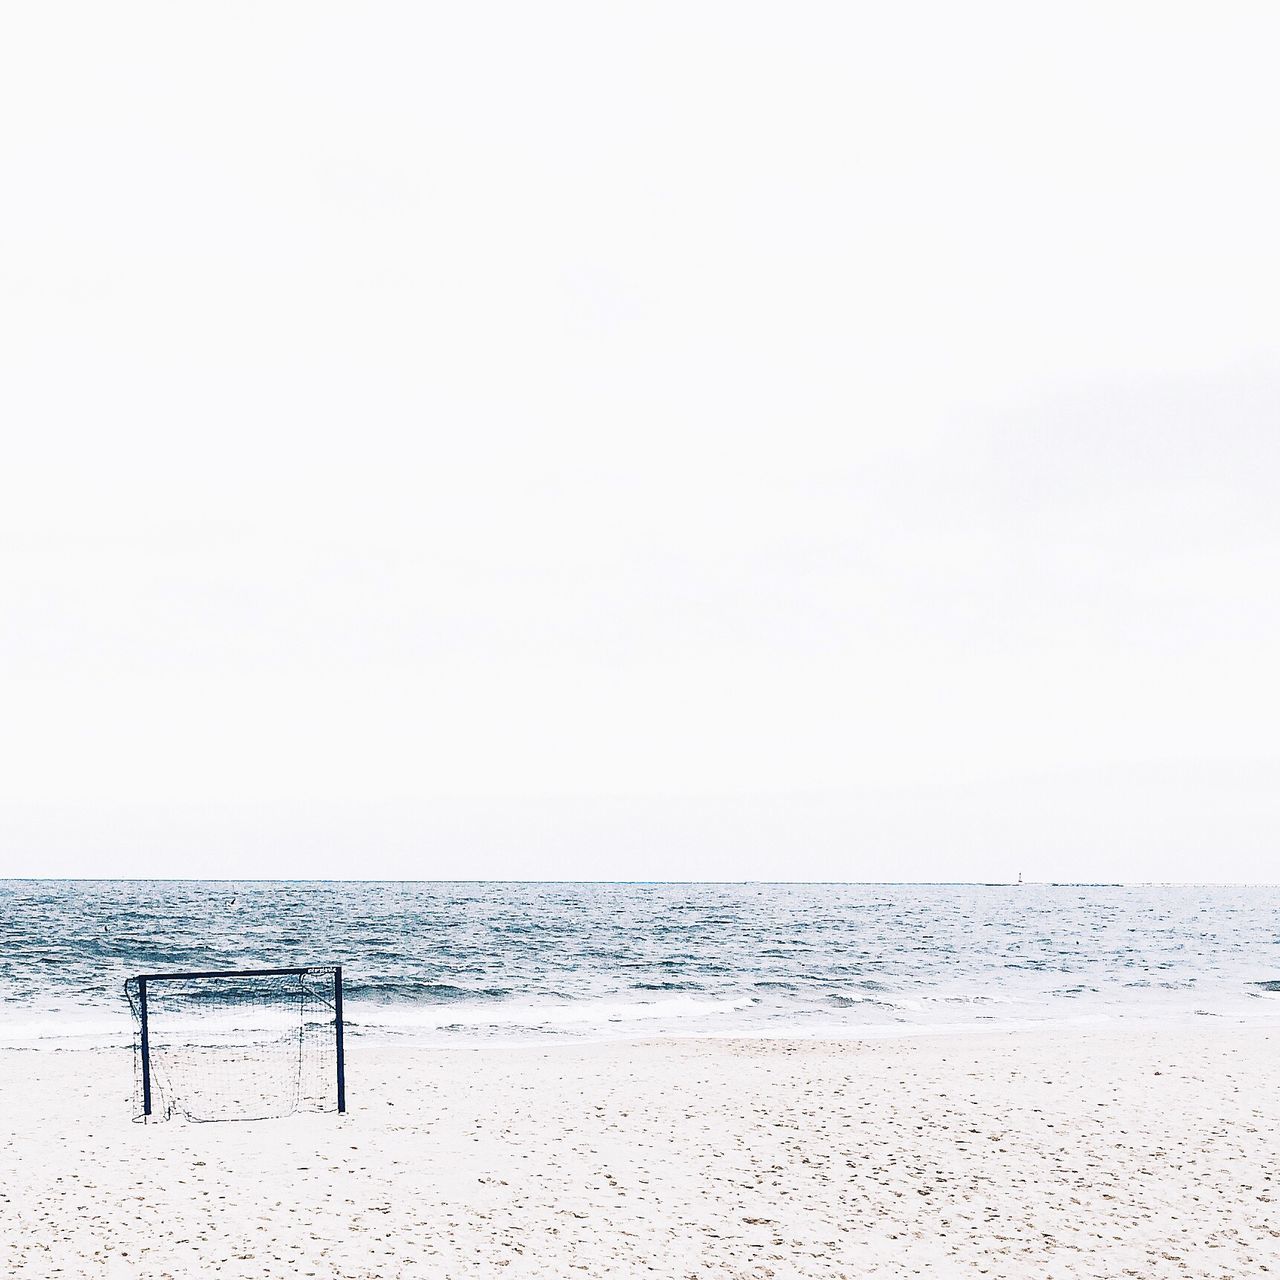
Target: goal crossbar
{"type": "Point", "coordinates": [238, 973]}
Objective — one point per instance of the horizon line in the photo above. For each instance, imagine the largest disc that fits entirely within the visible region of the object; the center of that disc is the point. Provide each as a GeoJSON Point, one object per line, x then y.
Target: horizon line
{"type": "Point", "coordinates": [973, 884]}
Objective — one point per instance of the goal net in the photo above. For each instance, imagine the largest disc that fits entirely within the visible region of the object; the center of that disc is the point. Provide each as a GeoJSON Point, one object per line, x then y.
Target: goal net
{"type": "Point", "coordinates": [240, 1045]}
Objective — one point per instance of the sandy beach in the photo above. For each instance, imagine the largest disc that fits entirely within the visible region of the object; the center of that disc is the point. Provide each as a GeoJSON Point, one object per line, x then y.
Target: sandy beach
{"type": "Point", "coordinates": [1143, 1154]}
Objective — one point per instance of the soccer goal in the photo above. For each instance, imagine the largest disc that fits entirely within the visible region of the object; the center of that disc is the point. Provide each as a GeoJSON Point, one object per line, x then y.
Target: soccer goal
{"type": "Point", "coordinates": [245, 1044]}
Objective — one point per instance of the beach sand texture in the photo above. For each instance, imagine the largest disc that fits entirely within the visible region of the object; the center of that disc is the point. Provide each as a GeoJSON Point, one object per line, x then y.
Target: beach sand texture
{"type": "Point", "coordinates": [1143, 1154]}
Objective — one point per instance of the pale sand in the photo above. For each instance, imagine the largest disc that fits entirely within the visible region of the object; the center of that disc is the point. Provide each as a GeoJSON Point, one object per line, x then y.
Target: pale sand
{"type": "Point", "coordinates": [1033, 1155]}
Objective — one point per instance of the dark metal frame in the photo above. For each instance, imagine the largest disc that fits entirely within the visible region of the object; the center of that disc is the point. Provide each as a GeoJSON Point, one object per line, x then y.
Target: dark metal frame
{"type": "Point", "coordinates": [144, 978]}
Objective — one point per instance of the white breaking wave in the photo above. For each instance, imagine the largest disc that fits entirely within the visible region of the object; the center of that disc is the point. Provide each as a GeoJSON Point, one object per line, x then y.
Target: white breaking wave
{"type": "Point", "coordinates": [514, 1014]}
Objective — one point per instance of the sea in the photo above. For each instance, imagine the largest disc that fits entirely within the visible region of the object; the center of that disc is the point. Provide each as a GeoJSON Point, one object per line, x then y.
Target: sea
{"type": "Point", "coordinates": [438, 964]}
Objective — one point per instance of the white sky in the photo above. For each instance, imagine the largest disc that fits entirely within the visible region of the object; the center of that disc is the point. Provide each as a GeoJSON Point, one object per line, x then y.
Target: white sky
{"type": "Point", "coordinates": [640, 441]}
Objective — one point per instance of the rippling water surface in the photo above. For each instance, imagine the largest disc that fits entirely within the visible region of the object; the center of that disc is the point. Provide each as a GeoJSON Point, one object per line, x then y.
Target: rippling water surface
{"type": "Point", "coordinates": [451, 963]}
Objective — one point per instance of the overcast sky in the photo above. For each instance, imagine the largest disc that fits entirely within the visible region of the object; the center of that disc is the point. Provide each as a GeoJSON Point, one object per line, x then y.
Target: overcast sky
{"type": "Point", "coordinates": [640, 441]}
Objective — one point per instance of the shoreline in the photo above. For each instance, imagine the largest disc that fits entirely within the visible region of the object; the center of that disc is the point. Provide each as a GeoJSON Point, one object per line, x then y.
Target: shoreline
{"type": "Point", "coordinates": [1086, 1025]}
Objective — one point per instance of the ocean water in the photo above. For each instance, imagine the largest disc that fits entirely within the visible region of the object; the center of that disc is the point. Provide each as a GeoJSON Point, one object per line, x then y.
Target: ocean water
{"type": "Point", "coordinates": [454, 963]}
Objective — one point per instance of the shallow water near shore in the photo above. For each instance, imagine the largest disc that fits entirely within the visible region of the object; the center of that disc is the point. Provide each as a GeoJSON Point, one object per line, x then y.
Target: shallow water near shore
{"type": "Point", "coordinates": [456, 963]}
